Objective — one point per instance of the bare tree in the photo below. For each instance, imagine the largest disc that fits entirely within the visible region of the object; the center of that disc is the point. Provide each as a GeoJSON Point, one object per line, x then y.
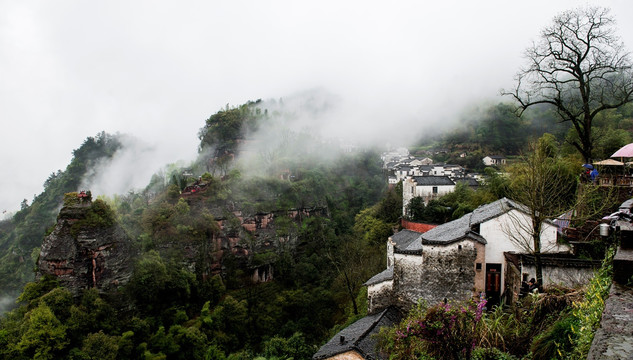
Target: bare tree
{"type": "Point", "coordinates": [580, 67]}
{"type": "Point", "coordinates": [545, 185]}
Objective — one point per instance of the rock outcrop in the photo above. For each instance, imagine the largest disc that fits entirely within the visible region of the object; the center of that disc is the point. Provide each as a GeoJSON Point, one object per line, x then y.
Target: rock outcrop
{"type": "Point", "coordinates": [83, 253]}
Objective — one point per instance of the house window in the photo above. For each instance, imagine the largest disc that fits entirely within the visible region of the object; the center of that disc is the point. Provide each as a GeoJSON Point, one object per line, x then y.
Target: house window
{"type": "Point", "coordinates": [478, 266]}
{"type": "Point", "coordinates": [434, 189]}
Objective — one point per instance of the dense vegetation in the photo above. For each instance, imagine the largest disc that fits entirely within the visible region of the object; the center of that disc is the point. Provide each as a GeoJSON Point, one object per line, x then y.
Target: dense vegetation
{"type": "Point", "coordinates": [21, 236]}
{"type": "Point", "coordinates": [178, 306]}
{"type": "Point", "coordinates": [497, 130]}
{"type": "Point", "coordinates": [557, 325]}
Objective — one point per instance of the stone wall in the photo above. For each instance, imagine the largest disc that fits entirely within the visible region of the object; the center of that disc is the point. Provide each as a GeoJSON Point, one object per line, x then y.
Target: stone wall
{"type": "Point", "coordinates": [480, 273]}
{"type": "Point", "coordinates": [379, 296]}
{"type": "Point", "coordinates": [441, 272]}
{"type": "Point", "coordinates": [568, 276]}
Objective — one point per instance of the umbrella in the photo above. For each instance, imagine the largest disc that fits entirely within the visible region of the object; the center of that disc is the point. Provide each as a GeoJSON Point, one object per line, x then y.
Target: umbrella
{"type": "Point", "coordinates": [625, 151]}
{"type": "Point", "coordinates": [588, 166]}
{"type": "Point", "coordinates": [609, 162]}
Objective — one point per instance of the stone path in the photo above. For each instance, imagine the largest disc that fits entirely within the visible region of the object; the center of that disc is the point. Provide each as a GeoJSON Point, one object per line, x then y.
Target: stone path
{"type": "Point", "coordinates": [614, 339]}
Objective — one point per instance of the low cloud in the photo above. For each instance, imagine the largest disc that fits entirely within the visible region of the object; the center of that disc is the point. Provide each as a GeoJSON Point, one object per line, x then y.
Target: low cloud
{"type": "Point", "coordinates": [131, 167]}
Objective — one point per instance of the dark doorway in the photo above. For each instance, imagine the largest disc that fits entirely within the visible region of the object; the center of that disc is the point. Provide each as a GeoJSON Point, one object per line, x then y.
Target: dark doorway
{"type": "Point", "coordinates": [493, 284]}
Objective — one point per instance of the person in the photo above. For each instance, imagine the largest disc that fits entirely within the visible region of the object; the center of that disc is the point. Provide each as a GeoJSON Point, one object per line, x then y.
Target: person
{"type": "Point", "coordinates": [532, 285]}
{"type": "Point", "coordinates": [525, 289]}
{"type": "Point", "coordinates": [593, 175]}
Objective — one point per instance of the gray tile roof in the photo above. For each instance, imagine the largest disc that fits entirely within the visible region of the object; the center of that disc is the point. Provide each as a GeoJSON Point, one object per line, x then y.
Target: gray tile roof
{"type": "Point", "coordinates": [433, 180]}
{"type": "Point", "coordinates": [404, 237]}
{"type": "Point", "coordinates": [407, 242]}
{"type": "Point", "coordinates": [359, 336]}
{"type": "Point", "coordinates": [494, 209]}
{"type": "Point", "coordinates": [468, 181]}
{"type": "Point", "coordinates": [380, 277]}
{"type": "Point", "coordinates": [449, 232]}
{"type": "Point", "coordinates": [462, 228]}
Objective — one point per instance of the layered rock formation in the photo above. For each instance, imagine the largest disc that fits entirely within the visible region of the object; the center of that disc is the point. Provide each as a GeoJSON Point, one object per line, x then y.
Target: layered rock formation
{"type": "Point", "coordinates": [83, 253]}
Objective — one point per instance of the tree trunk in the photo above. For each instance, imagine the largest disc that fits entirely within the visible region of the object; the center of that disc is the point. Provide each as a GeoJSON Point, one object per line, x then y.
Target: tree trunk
{"type": "Point", "coordinates": [536, 235]}
{"type": "Point", "coordinates": [351, 293]}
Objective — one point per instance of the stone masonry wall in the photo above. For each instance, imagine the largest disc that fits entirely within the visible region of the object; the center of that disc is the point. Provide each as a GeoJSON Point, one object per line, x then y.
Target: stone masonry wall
{"type": "Point", "coordinates": [442, 272]}
{"type": "Point", "coordinates": [379, 296]}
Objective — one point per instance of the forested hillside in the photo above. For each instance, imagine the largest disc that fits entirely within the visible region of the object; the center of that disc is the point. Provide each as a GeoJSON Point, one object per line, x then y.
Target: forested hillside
{"type": "Point", "coordinates": [498, 130]}
{"type": "Point", "coordinates": [21, 236]}
{"type": "Point", "coordinates": [259, 247]}
{"type": "Point", "coordinates": [192, 293]}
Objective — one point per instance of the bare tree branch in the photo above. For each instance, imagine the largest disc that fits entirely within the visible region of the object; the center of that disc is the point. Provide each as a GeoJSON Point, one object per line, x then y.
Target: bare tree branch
{"type": "Point", "coordinates": [579, 67]}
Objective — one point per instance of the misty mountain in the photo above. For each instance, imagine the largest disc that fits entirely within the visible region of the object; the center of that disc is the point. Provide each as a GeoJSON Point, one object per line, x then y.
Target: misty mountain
{"type": "Point", "coordinates": [252, 240]}
{"type": "Point", "coordinates": [495, 129]}
{"type": "Point", "coordinates": [21, 236]}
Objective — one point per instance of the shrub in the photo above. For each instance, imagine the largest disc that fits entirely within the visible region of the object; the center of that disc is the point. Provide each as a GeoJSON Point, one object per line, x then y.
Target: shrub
{"type": "Point", "coordinates": [589, 311]}
{"type": "Point", "coordinates": [444, 331]}
{"type": "Point", "coordinates": [71, 199]}
{"type": "Point", "coordinates": [550, 343]}
{"type": "Point", "coordinates": [491, 354]}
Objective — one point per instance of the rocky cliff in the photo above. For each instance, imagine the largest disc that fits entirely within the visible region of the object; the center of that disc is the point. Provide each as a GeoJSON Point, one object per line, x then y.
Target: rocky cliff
{"type": "Point", "coordinates": [84, 250]}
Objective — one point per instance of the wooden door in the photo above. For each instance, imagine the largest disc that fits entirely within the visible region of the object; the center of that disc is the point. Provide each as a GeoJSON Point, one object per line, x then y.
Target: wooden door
{"type": "Point", "coordinates": [493, 284]}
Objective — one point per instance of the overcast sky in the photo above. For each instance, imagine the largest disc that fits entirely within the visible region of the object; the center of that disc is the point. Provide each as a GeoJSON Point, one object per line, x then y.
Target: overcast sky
{"type": "Point", "coordinates": [157, 69]}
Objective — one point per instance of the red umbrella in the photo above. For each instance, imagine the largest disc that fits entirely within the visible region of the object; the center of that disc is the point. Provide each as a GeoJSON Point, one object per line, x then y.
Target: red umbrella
{"type": "Point", "coordinates": [625, 151]}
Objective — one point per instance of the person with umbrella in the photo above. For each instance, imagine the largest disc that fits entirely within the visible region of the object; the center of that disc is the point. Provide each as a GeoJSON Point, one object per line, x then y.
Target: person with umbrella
{"type": "Point", "coordinates": [587, 174]}
{"type": "Point", "coordinates": [593, 175]}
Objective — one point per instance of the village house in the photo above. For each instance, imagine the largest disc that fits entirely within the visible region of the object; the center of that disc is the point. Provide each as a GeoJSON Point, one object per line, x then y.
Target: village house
{"type": "Point", "coordinates": [359, 340]}
{"type": "Point", "coordinates": [486, 252]}
{"type": "Point", "coordinates": [471, 182]}
{"type": "Point", "coordinates": [494, 160]}
{"type": "Point", "coordinates": [402, 171]}
{"type": "Point", "coordinates": [424, 161]}
{"type": "Point", "coordinates": [392, 180]}
{"type": "Point", "coordinates": [395, 155]}
{"type": "Point", "coordinates": [426, 187]}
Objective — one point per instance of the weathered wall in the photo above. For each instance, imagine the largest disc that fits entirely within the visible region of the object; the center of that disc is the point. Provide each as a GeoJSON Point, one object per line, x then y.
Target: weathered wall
{"type": "Point", "coordinates": [480, 274]}
{"type": "Point", "coordinates": [567, 276]}
{"type": "Point", "coordinates": [408, 193]}
{"type": "Point", "coordinates": [379, 296]}
{"type": "Point", "coordinates": [514, 279]}
{"type": "Point", "coordinates": [441, 272]}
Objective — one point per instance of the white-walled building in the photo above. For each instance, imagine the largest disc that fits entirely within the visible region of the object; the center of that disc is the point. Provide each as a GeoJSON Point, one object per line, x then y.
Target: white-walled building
{"type": "Point", "coordinates": [481, 252]}
{"type": "Point", "coordinates": [427, 187]}
{"type": "Point", "coordinates": [459, 259]}
{"type": "Point", "coordinates": [494, 160]}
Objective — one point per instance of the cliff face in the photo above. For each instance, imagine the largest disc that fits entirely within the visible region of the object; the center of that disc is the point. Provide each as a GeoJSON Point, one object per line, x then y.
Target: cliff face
{"type": "Point", "coordinates": [82, 254]}
{"type": "Point", "coordinates": [250, 242]}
